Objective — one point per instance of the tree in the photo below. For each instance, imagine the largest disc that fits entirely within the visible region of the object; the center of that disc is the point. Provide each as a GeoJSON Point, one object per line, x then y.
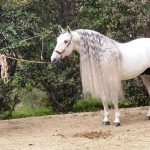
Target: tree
{"type": "Point", "coordinates": [122, 20]}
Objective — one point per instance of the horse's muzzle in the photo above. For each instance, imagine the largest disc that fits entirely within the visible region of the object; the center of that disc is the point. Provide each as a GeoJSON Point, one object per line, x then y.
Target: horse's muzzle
{"type": "Point", "coordinates": [55, 60]}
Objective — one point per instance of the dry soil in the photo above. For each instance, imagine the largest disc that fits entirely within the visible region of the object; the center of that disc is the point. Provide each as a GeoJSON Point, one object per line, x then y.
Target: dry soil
{"type": "Point", "coordinates": [79, 131]}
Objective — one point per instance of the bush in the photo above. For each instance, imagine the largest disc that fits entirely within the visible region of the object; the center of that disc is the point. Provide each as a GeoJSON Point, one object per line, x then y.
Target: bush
{"type": "Point", "coordinates": [135, 93]}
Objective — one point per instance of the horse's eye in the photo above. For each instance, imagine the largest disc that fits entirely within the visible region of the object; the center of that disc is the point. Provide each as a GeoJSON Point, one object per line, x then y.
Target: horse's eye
{"type": "Point", "coordinates": [65, 41]}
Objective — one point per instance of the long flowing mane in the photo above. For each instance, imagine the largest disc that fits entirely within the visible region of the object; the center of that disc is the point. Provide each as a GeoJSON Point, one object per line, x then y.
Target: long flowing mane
{"type": "Point", "coordinates": [100, 61]}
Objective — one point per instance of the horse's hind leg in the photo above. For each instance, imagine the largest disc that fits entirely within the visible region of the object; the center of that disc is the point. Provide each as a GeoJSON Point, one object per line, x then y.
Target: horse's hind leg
{"type": "Point", "coordinates": [146, 81]}
{"type": "Point", "coordinates": [117, 113]}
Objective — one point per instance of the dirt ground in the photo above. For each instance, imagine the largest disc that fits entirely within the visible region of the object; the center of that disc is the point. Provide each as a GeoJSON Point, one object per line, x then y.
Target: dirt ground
{"type": "Point", "coordinates": [79, 131]}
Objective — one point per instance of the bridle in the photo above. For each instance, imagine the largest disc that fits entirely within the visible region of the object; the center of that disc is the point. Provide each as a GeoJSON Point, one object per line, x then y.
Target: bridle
{"type": "Point", "coordinates": [60, 53]}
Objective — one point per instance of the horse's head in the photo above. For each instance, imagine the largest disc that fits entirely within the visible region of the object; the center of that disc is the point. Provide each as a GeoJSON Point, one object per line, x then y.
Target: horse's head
{"type": "Point", "coordinates": [64, 46]}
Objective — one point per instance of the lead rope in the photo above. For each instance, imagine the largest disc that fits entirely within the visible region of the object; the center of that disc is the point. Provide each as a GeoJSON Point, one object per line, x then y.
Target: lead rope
{"type": "Point", "coordinates": [4, 65]}
{"type": "Point", "coordinates": [3, 58]}
{"type": "Point", "coordinates": [30, 61]}
{"type": "Point", "coordinates": [4, 68]}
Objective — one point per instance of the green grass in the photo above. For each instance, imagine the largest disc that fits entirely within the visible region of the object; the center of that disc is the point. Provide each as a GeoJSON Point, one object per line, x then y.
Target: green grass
{"type": "Point", "coordinates": [88, 105]}
{"type": "Point", "coordinates": [125, 103]}
{"type": "Point", "coordinates": [95, 105]}
{"type": "Point", "coordinates": [80, 106]}
{"type": "Point", "coordinates": [29, 112]}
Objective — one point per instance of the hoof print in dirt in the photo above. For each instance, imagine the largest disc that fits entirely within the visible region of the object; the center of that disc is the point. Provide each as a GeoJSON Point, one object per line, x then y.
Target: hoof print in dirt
{"type": "Point", "coordinates": [116, 124]}
{"type": "Point", "coordinates": [105, 123]}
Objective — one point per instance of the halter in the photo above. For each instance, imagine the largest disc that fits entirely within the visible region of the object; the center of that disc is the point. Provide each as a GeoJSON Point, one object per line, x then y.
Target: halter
{"type": "Point", "coordinates": [60, 53]}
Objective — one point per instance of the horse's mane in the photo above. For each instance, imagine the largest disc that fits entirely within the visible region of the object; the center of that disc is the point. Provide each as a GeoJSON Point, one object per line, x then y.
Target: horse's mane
{"type": "Point", "coordinates": [100, 60]}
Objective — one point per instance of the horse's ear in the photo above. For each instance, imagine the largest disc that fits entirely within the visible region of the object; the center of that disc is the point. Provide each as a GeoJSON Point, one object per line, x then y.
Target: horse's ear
{"type": "Point", "coordinates": [61, 30]}
{"type": "Point", "coordinates": [68, 29]}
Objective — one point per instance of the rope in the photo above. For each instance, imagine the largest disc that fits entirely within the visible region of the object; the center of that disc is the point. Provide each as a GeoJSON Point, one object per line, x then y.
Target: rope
{"type": "Point", "coordinates": [31, 61]}
{"type": "Point", "coordinates": [3, 61]}
{"type": "Point", "coordinates": [4, 68]}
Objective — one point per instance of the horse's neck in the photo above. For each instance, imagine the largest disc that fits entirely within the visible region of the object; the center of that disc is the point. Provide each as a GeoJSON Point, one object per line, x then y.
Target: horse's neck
{"type": "Point", "coordinates": [76, 41]}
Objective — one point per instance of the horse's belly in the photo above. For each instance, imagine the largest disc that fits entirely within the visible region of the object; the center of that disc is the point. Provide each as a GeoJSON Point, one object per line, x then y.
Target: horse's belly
{"type": "Point", "coordinates": [127, 74]}
{"type": "Point", "coordinates": [133, 67]}
{"type": "Point", "coordinates": [135, 60]}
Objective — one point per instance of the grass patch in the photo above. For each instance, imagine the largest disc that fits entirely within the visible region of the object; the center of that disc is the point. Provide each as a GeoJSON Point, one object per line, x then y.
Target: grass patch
{"type": "Point", "coordinates": [87, 105]}
{"type": "Point", "coordinates": [80, 106]}
{"type": "Point", "coordinates": [95, 105]}
{"type": "Point", "coordinates": [28, 113]}
{"type": "Point", "coordinates": [125, 103]}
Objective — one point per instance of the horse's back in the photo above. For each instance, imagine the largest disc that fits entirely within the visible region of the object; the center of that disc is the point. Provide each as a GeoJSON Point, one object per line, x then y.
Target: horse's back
{"type": "Point", "coordinates": [140, 43]}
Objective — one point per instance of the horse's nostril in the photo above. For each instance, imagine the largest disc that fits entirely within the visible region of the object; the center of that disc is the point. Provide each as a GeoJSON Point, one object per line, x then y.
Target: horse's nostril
{"type": "Point", "coordinates": [54, 60]}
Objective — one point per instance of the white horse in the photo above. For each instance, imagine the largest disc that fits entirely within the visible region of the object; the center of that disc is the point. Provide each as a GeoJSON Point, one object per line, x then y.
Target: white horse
{"type": "Point", "coordinates": [104, 64]}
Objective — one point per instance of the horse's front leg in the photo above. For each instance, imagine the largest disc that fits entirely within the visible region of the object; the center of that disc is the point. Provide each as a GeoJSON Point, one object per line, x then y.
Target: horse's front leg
{"type": "Point", "coordinates": [106, 114]}
{"type": "Point", "coordinates": [117, 114]}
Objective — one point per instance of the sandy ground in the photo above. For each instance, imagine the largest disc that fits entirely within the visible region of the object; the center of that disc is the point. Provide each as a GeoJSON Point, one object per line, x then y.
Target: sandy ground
{"type": "Point", "coordinates": [79, 131]}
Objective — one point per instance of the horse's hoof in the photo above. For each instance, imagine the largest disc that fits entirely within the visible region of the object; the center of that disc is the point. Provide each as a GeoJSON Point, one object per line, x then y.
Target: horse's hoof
{"type": "Point", "coordinates": [148, 117]}
{"type": "Point", "coordinates": [116, 124]}
{"type": "Point", "coordinates": [105, 123]}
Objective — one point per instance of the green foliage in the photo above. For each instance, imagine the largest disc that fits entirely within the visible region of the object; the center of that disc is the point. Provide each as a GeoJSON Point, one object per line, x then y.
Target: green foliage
{"type": "Point", "coordinates": [31, 97]}
{"type": "Point", "coordinates": [126, 103]}
{"type": "Point", "coordinates": [122, 20]}
{"type": "Point", "coordinates": [6, 101]}
{"type": "Point", "coordinates": [136, 93]}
